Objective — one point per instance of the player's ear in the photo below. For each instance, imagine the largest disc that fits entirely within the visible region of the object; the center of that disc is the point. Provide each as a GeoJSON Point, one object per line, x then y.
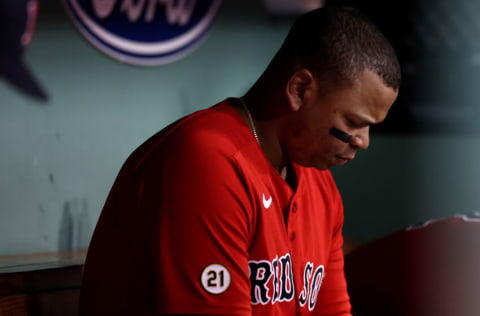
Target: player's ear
{"type": "Point", "coordinates": [298, 86]}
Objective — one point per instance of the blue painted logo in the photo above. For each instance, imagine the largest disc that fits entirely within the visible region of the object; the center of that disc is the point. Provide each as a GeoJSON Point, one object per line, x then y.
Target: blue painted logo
{"type": "Point", "coordinates": [144, 32]}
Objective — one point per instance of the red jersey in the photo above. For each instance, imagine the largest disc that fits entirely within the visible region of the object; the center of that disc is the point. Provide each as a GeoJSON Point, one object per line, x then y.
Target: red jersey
{"type": "Point", "coordinates": [199, 222]}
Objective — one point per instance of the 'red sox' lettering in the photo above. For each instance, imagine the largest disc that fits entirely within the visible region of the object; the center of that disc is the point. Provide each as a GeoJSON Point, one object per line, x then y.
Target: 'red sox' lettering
{"type": "Point", "coordinates": [272, 282]}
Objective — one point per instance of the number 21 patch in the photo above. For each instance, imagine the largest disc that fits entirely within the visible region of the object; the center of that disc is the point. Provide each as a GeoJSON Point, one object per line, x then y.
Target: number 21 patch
{"type": "Point", "coordinates": [215, 278]}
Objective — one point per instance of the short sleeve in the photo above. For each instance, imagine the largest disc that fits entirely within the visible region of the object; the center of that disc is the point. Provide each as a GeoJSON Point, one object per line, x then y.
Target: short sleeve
{"type": "Point", "coordinates": [202, 229]}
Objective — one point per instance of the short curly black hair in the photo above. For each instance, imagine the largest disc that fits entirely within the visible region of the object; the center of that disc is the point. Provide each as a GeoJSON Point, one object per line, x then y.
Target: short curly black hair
{"type": "Point", "coordinates": [339, 41]}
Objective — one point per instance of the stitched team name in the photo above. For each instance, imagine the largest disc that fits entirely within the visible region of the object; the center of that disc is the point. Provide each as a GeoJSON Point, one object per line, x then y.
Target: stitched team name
{"type": "Point", "coordinates": [272, 282]}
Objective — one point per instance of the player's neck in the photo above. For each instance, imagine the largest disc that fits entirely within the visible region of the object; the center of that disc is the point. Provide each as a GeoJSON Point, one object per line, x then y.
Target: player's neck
{"type": "Point", "coordinates": [266, 128]}
{"type": "Point", "coordinates": [288, 174]}
{"type": "Point", "coordinates": [266, 116]}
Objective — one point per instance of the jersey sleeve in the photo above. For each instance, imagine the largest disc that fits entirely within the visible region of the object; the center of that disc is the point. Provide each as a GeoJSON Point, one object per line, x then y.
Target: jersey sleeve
{"type": "Point", "coordinates": [202, 230]}
{"type": "Point", "coordinates": [333, 299]}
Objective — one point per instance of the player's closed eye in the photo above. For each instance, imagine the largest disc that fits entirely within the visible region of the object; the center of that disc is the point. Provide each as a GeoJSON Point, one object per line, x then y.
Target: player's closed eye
{"type": "Point", "coordinates": [351, 123]}
{"type": "Point", "coordinates": [355, 124]}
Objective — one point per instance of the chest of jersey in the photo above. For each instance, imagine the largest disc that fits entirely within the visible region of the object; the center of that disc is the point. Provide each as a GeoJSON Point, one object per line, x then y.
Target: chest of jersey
{"type": "Point", "coordinates": [290, 241]}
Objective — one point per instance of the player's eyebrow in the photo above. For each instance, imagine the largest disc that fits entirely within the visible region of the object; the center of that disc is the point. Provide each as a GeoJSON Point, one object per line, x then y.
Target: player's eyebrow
{"type": "Point", "coordinates": [364, 118]}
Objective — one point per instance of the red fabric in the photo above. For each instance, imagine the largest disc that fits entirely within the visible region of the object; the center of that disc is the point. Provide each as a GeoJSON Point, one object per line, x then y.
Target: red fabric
{"type": "Point", "coordinates": [198, 193]}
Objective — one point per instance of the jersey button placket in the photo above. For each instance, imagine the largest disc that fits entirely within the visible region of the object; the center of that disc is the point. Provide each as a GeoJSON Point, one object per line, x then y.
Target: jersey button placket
{"type": "Point", "coordinates": [293, 211]}
{"type": "Point", "coordinates": [292, 236]}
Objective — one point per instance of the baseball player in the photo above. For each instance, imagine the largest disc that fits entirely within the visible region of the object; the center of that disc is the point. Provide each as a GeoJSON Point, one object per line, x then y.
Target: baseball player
{"type": "Point", "coordinates": [232, 210]}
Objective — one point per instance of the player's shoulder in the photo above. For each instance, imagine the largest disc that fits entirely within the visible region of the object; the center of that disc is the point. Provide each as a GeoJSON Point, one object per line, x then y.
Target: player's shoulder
{"type": "Point", "coordinates": [219, 124]}
{"type": "Point", "coordinates": [208, 134]}
{"type": "Point", "coordinates": [215, 131]}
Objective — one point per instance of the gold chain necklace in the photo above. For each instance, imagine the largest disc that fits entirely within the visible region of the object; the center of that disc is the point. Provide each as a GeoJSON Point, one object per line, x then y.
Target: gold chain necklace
{"type": "Point", "coordinates": [252, 125]}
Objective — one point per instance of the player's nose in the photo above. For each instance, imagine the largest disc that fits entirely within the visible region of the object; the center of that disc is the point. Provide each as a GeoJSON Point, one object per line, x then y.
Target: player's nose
{"type": "Point", "coordinates": [361, 139]}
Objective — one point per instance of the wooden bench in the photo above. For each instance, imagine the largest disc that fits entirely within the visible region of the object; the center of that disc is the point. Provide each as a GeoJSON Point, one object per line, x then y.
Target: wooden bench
{"type": "Point", "coordinates": [41, 284]}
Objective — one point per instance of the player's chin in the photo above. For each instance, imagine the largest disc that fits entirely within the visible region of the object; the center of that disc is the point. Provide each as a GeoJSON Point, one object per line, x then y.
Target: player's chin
{"type": "Point", "coordinates": [323, 165]}
{"type": "Point", "coordinates": [333, 161]}
{"type": "Point", "coordinates": [340, 161]}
